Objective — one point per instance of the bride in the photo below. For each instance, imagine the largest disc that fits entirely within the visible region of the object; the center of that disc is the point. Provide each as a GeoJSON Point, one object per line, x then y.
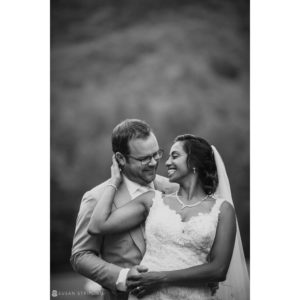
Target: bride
{"type": "Point", "coordinates": [190, 235]}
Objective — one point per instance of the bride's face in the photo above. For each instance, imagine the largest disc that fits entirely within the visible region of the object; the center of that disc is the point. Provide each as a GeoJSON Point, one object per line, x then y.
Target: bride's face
{"type": "Point", "coordinates": [177, 163]}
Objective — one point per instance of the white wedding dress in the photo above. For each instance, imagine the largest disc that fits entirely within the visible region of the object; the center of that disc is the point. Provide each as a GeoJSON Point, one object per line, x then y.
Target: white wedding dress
{"type": "Point", "coordinates": [173, 244]}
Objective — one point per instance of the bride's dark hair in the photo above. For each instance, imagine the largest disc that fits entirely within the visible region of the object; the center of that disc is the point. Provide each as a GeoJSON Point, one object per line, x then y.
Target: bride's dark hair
{"type": "Point", "coordinates": [201, 157]}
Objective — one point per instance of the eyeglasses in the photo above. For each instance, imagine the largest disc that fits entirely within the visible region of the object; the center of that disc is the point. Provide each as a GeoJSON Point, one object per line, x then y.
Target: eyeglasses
{"type": "Point", "coordinates": [147, 159]}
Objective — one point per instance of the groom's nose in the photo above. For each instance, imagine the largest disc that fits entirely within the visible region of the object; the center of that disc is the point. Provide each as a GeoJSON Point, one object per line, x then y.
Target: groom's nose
{"type": "Point", "coordinates": [153, 162]}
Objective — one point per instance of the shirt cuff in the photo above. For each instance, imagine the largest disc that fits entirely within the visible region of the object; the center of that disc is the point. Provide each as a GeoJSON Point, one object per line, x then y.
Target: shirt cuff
{"type": "Point", "coordinates": [121, 282]}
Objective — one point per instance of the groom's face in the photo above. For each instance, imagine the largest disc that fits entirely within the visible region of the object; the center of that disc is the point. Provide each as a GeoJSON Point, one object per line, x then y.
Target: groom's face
{"type": "Point", "coordinates": [133, 168]}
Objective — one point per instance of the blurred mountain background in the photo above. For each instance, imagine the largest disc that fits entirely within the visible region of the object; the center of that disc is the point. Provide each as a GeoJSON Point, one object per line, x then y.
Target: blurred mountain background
{"type": "Point", "coordinates": [183, 66]}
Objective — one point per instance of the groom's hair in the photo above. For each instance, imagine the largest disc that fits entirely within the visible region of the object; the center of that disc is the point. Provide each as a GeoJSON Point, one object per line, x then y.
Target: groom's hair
{"type": "Point", "coordinates": [201, 157]}
{"type": "Point", "coordinates": [127, 130]}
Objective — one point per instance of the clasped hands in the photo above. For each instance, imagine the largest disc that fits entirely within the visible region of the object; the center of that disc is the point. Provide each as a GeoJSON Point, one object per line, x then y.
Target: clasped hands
{"type": "Point", "coordinates": [140, 282]}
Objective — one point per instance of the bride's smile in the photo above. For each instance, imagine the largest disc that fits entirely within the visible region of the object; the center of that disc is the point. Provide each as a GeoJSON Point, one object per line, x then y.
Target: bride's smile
{"type": "Point", "coordinates": [177, 163]}
{"type": "Point", "coordinates": [171, 171]}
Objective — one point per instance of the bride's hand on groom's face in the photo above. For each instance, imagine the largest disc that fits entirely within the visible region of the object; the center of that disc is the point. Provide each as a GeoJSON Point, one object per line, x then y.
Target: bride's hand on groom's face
{"type": "Point", "coordinates": [116, 175]}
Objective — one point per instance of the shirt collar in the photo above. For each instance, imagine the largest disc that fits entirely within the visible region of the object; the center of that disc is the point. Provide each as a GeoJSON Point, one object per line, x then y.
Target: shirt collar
{"type": "Point", "coordinates": [133, 187]}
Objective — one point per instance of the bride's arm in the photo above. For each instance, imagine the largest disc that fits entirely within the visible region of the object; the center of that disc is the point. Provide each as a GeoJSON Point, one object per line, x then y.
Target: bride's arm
{"type": "Point", "coordinates": [213, 271]}
{"type": "Point", "coordinates": [104, 221]}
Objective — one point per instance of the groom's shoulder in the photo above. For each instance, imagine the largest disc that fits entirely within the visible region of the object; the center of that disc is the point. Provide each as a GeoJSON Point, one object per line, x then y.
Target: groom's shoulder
{"type": "Point", "coordinates": [165, 185]}
{"type": "Point", "coordinates": [97, 189]}
{"type": "Point", "coordinates": [90, 197]}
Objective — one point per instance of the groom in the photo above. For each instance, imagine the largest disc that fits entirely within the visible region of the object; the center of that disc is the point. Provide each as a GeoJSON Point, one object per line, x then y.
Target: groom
{"type": "Point", "coordinates": [109, 260]}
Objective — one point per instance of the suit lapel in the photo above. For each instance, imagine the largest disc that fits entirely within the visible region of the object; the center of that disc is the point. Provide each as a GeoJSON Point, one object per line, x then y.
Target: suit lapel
{"type": "Point", "coordinates": [122, 197]}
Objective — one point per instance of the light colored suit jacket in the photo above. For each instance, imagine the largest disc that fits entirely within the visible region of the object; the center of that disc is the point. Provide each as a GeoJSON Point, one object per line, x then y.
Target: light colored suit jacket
{"type": "Point", "coordinates": [101, 258]}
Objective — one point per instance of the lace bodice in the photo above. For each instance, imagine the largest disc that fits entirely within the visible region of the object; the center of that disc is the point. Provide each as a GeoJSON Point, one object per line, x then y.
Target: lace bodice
{"type": "Point", "coordinates": [172, 244]}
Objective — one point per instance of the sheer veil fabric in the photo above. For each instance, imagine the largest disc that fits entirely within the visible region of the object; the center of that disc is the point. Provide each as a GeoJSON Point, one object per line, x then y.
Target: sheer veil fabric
{"type": "Point", "coordinates": [236, 286]}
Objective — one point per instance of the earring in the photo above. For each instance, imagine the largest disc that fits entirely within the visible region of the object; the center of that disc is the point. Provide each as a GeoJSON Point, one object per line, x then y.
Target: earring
{"type": "Point", "coordinates": [194, 170]}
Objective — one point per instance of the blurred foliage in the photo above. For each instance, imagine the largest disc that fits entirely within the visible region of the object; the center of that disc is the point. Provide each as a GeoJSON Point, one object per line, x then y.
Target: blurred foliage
{"type": "Point", "coordinates": [183, 66]}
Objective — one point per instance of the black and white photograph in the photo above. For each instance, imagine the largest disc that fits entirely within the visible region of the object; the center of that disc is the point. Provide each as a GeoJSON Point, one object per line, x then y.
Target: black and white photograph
{"type": "Point", "coordinates": [150, 149]}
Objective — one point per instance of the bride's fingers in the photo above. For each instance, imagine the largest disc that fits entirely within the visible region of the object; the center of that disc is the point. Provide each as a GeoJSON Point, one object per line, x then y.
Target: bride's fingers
{"type": "Point", "coordinates": [129, 287]}
{"type": "Point", "coordinates": [115, 168]}
{"type": "Point", "coordinates": [142, 268]}
{"type": "Point", "coordinates": [138, 291]}
{"type": "Point", "coordinates": [133, 284]}
{"type": "Point", "coordinates": [134, 277]}
{"type": "Point", "coordinates": [141, 293]}
{"type": "Point", "coordinates": [134, 291]}
{"type": "Point", "coordinates": [114, 160]}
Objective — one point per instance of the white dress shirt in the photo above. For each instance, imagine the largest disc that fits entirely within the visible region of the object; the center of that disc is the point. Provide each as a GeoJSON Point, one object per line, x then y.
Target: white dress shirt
{"type": "Point", "coordinates": [135, 189]}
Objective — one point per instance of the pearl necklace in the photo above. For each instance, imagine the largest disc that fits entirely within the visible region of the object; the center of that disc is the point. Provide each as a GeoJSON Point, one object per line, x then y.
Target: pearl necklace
{"type": "Point", "coordinates": [189, 205]}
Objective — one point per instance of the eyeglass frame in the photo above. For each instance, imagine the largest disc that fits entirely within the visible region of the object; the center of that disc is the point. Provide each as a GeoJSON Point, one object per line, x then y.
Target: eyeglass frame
{"type": "Point", "coordinates": [148, 158]}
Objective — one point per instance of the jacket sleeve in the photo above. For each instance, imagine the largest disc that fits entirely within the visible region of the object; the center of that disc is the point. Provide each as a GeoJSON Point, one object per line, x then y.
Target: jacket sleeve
{"type": "Point", "coordinates": [86, 257]}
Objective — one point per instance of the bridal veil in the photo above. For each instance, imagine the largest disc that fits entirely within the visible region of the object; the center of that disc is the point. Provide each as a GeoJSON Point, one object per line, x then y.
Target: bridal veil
{"type": "Point", "coordinates": [236, 285]}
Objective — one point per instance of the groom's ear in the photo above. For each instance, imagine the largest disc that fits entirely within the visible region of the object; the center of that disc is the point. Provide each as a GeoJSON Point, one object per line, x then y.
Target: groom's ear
{"type": "Point", "coordinates": [120, 159]}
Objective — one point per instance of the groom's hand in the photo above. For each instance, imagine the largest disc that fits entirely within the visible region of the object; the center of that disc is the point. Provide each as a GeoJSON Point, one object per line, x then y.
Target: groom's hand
{"type": "Point", "coordinates": [145, 283]}
{"type": "Point", "coordinates": [135, 272]}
